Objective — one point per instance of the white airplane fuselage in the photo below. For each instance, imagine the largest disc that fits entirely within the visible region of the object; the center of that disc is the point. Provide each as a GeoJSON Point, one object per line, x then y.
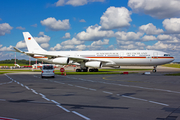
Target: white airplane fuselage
{"type": "Point", "coordinates": [118, 57]}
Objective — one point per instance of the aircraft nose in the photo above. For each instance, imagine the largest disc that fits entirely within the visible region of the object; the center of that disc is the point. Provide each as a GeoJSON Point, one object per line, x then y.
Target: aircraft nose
{"type": "Point", "coordinates": [172, 59]}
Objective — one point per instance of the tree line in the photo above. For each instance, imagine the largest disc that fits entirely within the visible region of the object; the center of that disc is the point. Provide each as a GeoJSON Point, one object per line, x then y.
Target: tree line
{"type": "Point", "coordinates": [23, 61]}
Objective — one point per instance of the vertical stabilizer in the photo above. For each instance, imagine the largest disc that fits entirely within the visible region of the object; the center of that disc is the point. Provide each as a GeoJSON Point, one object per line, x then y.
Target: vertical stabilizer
{"type": "Point", "coordinates": [31, 43]}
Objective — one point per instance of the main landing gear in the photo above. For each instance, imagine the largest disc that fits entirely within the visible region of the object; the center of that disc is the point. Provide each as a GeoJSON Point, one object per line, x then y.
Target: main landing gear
{"type": "Point", "coordinates": [154, 70]}
{"type": "Point", "coordinates": [82, 70]}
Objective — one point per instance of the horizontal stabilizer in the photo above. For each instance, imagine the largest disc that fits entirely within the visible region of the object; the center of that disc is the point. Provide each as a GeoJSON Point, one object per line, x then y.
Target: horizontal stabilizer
{"type": "Point", "coordinates": [17, 50]}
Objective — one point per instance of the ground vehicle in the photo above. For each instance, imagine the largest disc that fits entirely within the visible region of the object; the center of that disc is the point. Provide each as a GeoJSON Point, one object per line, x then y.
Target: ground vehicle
{"type": "Point", "coordinates": [47, 71]}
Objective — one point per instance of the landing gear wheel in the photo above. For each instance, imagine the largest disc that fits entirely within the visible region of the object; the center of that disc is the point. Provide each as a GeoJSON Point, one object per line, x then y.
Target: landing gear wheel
{"type": "Point", "coordinates": [91, 70]}
{"type": "Point", "coordinates": [95, 70]}
{"type": "Point", "coordinates": [83, 70]}
{"type": "Point", "coordinates": [154, 70]}
{"type": "Point", "coordinates": [78, 70]}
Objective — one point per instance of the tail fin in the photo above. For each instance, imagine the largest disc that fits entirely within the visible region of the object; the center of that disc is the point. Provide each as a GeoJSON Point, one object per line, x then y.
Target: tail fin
{"type": "Point", "coordinates": [31, 43]}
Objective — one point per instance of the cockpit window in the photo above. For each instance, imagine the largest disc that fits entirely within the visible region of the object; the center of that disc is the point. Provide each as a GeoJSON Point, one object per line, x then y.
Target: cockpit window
{"type": "Point", "coordinates": [166, 54]}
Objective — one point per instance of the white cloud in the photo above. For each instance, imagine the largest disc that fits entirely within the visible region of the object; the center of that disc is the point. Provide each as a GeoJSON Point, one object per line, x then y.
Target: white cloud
{"type": "Point", "coordinates": [56, 25]}
{"type": "Point", "coordinates": [20, 28]}
{"type": "Point", "coordinates": [21, 44]}
{"type": "Point", "coordinates": [81, 47]}
{"type": "Point", "coordinates": [99, 42]}
{"type": "Point", "coordinates": [149, 38]}
{"type": "Point", "coordinates": [150, 29]}
{"type": "Point", "coordinates": [174, 40]}
{"type": "Point", "coordinates": [120, 42]}
{"type": "Point", "coordinates": [75, 2]}
{"type": "Point", "coordinates": [164, 37]}
{"type": "Point", "coordinates": [91, 47]}
{"type": "Point", "coordinates": [82, 20]}
{"type": "Point", "coordinates": [69, 47]}
{"type": "Point", "coordinates": [5, 28]}
{"type": "Point", "coordinates": [57, 47]}
{"type": "Point", "coordinates": [160, 46]}
{"type": "Point", "coordinates": [140, 44]}
{"type": "Point", "coordinates": [94, 33]}
{"type": "Point", "coordinates": [43, 38]}
{"type": "Point", "coordinates": [111, 47]}
{"type": "Point", "coordinates": [156, 8]}
{"type": "Point", "coordinates": [172, 25]}
{"type": "Point", "coordinates": [115, 17]}
{"type": "Point", "coordinates": [34, 25]}
{"type": "Point", "coordinates": [74, 41]}
{"type": "Point", "coordinates": [60, 3]}
{"type": "Point", "coordinates": [41, 34]}
{"type": "Point", "coordinates": [130, 47]}
{"type": "Point", "coordinates": [5, 55]}
{"type": "Point", "coordinates": [0, 19]}
{"type": "Point", "coordinates": [67, 36]}
{"type": "Point", "coordinates": [10, 48]}
{"type": "Point", "coordinates": [44, 45]}
{"type": "Point", "coordinates": [128, 36]}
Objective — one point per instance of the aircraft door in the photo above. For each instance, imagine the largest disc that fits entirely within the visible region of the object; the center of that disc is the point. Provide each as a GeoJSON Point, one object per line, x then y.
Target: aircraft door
{"type": "Point", "coordinates": [155, 55]}
{"type": "Point", "coordinates": [121, 55]}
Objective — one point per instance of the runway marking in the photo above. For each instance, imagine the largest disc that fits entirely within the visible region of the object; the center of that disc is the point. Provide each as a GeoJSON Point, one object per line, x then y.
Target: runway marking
{"type": "Point", "coordinates": [92, 89]}
{"type": "Point", "coordinates": [2, 100]}
{"type": "Point", "coordinates": [27, 87]}
{"type": "Point", "coordinates": [118, 94]}
{"type": "Point", "coordinates": [155, 89]}
{"type": "Point", "coordinates": [55, 102]}
{"type": "Point", "coordinates": [7, 82]}
{"type": "Point", "coordinates": [107, 92]}
{"type": "Point", "coordinates": [43, 96]}
{"type": "Point", "coordinates": [81, 87]}
{"type": "Point", "coordinates": [34, 91]}
{"type": "Point", "coordinates": [86, 118]}
{"type": "Point", "coordinates": [125, 95]}
{"type": "Point", "coordinates": [143, 100]}
{"type": "Point", "coordinates": [63, 108]}
{"type": "Point", "coordinates": [5, 118]}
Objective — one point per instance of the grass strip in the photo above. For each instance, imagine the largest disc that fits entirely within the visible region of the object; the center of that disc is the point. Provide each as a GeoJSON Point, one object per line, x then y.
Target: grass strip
{"type": "Point", "coordinates": [174, 74]}
{"type": "Point", "coordinates": [123, 69]}
{"type": "Point", "coordinates": [172, 65]}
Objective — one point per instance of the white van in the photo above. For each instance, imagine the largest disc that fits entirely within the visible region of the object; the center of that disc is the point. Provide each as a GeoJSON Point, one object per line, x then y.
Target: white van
{"type": "Point", "coordinates": [47, 71]}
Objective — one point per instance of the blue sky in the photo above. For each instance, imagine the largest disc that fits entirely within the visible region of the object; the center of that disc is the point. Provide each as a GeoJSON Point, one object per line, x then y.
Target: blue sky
{"type": "Point", "coordinates": [91, 25]}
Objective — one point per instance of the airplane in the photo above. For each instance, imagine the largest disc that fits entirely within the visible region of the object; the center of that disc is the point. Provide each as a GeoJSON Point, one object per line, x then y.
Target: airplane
{"type": "Point", "coordinates": [96, 59]}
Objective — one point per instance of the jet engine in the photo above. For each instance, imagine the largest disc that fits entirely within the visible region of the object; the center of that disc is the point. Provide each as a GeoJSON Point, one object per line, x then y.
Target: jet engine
{"type": "Point", "coordinates": [94, 64]}
{"type": "Point", "coordinates": [61, 60]}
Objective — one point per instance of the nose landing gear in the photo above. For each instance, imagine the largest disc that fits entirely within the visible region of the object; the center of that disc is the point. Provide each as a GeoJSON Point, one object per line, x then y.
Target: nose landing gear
{"type": "Point", "coordinates": [154, 70]}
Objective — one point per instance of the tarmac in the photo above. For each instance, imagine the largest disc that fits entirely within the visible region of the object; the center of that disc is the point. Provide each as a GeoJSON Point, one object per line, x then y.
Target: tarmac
{"type": "Point", "coordinates": [91, 97]}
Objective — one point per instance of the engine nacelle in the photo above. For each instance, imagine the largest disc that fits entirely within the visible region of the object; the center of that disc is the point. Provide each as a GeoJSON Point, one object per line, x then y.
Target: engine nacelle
{"type": "Point", "coordinates": [61, 60]}
{"type": "Point", "coordinates": [94, 64]}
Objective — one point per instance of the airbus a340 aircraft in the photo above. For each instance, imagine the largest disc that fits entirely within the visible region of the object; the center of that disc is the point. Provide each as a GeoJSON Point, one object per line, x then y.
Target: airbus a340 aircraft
{"type": "Point", "coordinates": [96, 59]}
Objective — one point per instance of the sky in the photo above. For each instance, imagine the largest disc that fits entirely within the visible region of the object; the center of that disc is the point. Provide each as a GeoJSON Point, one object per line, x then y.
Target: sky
{"type": "Point", "coordinates": [68, 25]}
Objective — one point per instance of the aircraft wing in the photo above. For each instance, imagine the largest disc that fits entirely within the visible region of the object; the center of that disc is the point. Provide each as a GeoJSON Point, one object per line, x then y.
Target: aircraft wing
{"type": "Point", "coordinates": [74, 58]}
